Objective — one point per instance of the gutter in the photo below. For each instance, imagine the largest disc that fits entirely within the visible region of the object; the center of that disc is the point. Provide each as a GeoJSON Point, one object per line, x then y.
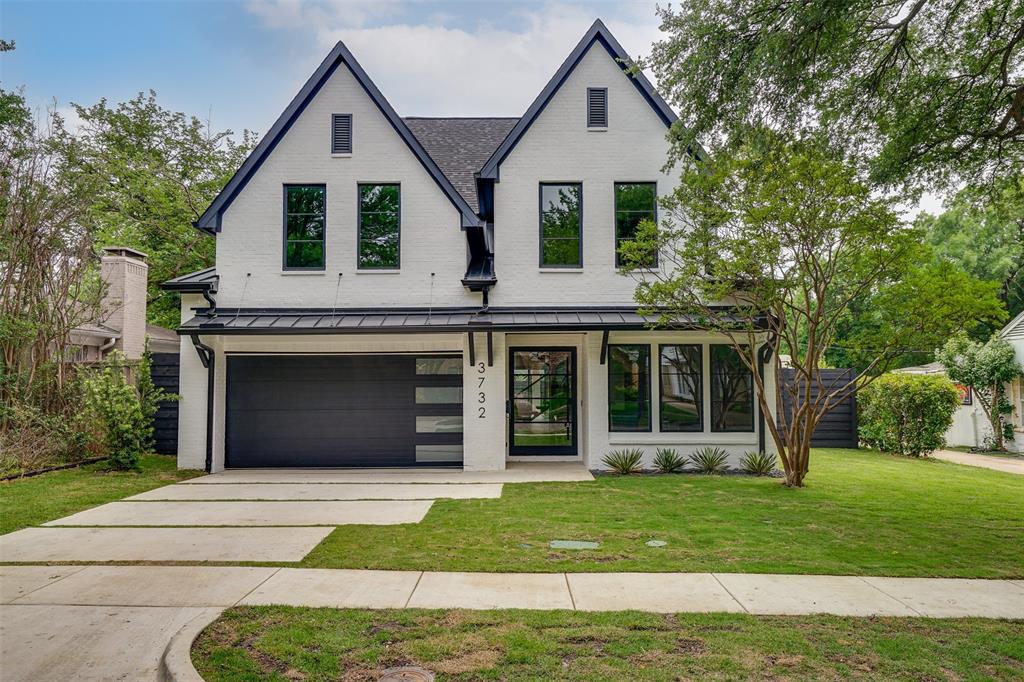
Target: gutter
{"type": "Point", "coordinates": [208, 357]}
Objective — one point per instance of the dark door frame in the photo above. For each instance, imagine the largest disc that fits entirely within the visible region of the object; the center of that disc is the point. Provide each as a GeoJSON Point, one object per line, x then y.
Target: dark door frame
{"type": "Point", "coordinates": [553, 450]}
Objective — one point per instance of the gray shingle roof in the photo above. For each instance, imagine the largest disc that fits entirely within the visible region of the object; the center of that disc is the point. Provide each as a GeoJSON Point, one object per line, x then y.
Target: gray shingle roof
{"type": "Point", "coordinates": [461, 146]}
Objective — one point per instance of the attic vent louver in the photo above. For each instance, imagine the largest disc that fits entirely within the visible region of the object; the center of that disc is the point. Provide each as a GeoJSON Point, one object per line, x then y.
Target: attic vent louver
{"type": "Point", "coordinates": [597, 107]}
{"type": "Point", "coordinates": [341, 134]}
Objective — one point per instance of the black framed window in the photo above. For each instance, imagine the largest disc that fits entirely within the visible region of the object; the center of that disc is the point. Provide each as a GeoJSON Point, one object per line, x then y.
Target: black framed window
{"type": "Point", "coordinates": [681, 407]}
{"type": "Point", "coordinates": [629, 387]}
{"type": "Point", "coordinates": [561, 220]}
{"type": "Point", "coordinates": [305, 214]}
{"type": "Point", "coordinates": [732, 391]}
{"type": "Point", "coordinates": [380, 220]}
{"type": "Point", "coordinates": [635, 202]}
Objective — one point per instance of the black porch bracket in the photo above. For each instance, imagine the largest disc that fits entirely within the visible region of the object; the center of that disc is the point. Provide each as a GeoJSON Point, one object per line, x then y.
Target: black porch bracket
{"type": "Point", "coordinates": [604, 346]}
{"type": "Point", "coordinates": [472, 350]}
{"type": "Point", "coordinates": [490, 349]}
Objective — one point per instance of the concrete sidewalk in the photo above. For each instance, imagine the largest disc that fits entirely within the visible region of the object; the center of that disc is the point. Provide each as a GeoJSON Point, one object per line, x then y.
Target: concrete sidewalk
{"type": "Point", "coordinates": [1009, 465]}
{"type": "Point", "coordinates": [205, 586]}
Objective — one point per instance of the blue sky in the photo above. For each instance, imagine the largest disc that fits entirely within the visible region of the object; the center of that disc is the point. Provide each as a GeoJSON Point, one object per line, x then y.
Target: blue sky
{"type": "Point", "coordinates": [240, 62]}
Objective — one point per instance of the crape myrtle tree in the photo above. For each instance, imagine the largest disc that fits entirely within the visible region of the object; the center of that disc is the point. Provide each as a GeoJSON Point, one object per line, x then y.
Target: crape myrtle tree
{"type": "Point", "coordinates": [985, 368]}
{"type": "Point", "coordinates": [770, 243]}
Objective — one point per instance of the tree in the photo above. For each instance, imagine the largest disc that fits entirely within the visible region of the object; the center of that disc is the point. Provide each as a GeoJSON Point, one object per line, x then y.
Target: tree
{"type": "Point", "coordinates": [985, 368]}
{"type": "Point", "coordinates": [770, 245]}
{"type": "Point", "coordinates": [157, 171]}
{"type": "Point", "coordinates": [927, 91]}
{"type": "Point", "coordinates": [982, 230]}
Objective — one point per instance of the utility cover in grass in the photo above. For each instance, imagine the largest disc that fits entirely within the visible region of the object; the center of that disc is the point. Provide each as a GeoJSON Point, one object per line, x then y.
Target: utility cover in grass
{"type": "Point", "coordinates": [574, 544]}
{"type": "Point", "coordinates": [655, 543]}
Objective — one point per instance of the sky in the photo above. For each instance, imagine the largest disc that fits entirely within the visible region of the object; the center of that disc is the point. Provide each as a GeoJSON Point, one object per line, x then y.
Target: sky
{"type": "Point", "coordinates": [237, 63]}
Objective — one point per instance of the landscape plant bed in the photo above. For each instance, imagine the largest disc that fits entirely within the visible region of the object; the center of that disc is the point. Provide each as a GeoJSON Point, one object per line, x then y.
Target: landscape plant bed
{"type": "Point", "coordinates": [38, 499]}
{"type": "Point", "coordinates": [862, 513]}
{"type": "Point", "coordinates": [46, 470]}
{"type": "Point", "coordinates": [288, 643]}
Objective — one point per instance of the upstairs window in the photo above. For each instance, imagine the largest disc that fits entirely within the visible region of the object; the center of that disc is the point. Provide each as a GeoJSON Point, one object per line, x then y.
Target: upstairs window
{"type": "Point", "coordinates": [732, 391]}
{"type": "Point", "coordinates": [561, 245]}
{"type": "Point", "coordinates": [305, 214]}
{"type": "Point", "coordinates": [380, 221]}
{"type": "Point", "coordinates": [341, 134]}
{"type": "Point", "coordinates": [635, 202]}
{"type": "Point", "coordinates": [597, 107]}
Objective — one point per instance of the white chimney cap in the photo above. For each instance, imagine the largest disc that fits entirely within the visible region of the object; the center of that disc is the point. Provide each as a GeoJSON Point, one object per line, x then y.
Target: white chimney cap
{"type": "Point", "coordinates": [124, 251]}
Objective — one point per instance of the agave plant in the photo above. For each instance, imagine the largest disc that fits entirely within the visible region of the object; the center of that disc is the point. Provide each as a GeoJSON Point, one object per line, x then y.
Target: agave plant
{"type": "Point", "coordinates": [668, 461]}
{"type": "Point", "coordinates": [710, 460]}
{"type": "Point", "coordinates": [758, 463]}
{"type": "Point", "coordinates": [624, 461]}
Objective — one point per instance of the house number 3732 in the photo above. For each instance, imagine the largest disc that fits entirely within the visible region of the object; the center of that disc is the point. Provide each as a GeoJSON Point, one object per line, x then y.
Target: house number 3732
{"type": "Point", "coordinates": [481, 397]}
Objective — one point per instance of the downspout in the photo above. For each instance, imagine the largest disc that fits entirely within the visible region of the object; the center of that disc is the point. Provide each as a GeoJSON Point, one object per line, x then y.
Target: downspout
{"type": "Point", "coordinates": [208, 357]}
{"type": "Point", "coordinates": [107, 346]}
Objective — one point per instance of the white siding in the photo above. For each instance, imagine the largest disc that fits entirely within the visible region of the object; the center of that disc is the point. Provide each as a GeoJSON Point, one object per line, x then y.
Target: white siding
{"type": "Point", "coordinates": [558, 147]}
{"type": "Point", "coordinates": [431, 238]}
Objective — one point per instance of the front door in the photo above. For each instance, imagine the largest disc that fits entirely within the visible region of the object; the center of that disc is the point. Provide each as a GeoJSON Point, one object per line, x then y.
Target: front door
{"type": "Point", "coordinates": [542, 413]}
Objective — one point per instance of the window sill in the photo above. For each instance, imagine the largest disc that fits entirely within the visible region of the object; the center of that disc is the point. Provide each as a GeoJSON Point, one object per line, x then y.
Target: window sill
{"type": "Point", "coordinates": [578, 271]}
{"type": "Point", "coordinates": [597, 130]}
{"type": "Point", "coordinates": [681, 438]}
{"type": "Point", "coordinates": [303, 273]}
{"type": "Point", "coordinates": [342, 156]}
{"type": "Point", "coordinates": [381, 271]}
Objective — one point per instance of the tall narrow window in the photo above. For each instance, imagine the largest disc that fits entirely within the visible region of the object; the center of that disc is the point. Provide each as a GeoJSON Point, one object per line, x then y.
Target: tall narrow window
{"type": "Point", "coordinates": [629, 387]}
{"type": "Point", "coordinates": [597, 107]}
{"type": "Point", "coordinates": [732, 391]}
{"type": "Point", "coordinates": [305, 214]}
{"type": "Point", "coordinates": [561, 245]}
{"type": "Point", "coordinates": [380, 218]}
{"type": "Point", "coordinates": [681, 407]}
{"type": "Point", "coordinates": [341, 133]}
{"type": "Point", "coordinates": [635, 202]}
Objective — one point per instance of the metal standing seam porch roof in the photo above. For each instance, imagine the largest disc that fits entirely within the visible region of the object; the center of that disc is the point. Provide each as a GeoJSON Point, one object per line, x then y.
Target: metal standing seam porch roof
{"type": "Point", "coordinates": [350, 321]}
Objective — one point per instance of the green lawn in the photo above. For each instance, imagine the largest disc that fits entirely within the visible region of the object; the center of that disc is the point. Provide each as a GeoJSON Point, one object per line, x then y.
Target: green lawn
{"type": "Point", "coordinates": [861, 513]}
{"type": "Point", "coordinates": [31, 501]}
{"type": "Point", "coordinates": [284, 643]}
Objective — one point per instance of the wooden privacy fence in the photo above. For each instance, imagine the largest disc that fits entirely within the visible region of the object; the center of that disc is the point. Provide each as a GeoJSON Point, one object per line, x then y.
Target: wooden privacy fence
{"type": "Point", "coordinates": [164, 370]}
{"type": "Point", "coordinates": [838, 428]}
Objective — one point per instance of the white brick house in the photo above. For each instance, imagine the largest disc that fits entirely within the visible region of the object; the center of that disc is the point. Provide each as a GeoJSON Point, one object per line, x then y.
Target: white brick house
{"type": "Point", "coordinates": [423, 292]}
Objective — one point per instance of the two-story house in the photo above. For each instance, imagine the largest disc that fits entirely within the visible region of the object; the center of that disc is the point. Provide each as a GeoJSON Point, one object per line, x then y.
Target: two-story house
{"type": "Point", "coordinates": [446, 291]}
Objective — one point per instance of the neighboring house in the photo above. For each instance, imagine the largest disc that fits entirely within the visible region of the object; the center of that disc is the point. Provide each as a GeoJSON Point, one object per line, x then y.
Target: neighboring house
{"type": "Point", "coordinates": [122, 323]}
{"type": "Point", "coordinates": [445, 291]}
{"type": "Point", "coordinates": [970, 425]}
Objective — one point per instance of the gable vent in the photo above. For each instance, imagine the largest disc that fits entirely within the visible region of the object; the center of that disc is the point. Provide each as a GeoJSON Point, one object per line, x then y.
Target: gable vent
{"type": "Point", "coordinates": [597, 107]}
{"type": "Point", "coordinates": [341, 134]}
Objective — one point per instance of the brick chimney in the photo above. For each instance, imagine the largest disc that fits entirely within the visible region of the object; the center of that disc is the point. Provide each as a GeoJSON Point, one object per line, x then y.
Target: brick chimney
{"type": "Point", "coordinates": [125, 273]}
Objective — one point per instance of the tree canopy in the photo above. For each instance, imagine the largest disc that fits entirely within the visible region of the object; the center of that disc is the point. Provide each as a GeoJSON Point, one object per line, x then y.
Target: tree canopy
{"type": "Point", "coordinates": [922, 92]}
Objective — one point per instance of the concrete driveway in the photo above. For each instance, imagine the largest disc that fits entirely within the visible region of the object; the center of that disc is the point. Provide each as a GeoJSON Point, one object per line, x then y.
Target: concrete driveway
{"type": "Point", "coordinates": [1009, 465]}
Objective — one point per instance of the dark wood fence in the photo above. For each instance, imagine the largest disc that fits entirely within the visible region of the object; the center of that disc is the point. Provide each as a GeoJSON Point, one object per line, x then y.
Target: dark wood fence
{"type": "Point", "coordinates": [164, 370]}
{"type": "Point", "coordinates": [838, 428]}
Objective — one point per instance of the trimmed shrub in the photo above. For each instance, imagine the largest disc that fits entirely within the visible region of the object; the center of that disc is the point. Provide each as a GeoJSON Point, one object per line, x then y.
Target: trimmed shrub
{"type": "Point", "coordinates": [668, 461]}
{"type": "Point", "coordinates": [624, 461]}
{"type": "Point", "coordinates": [710, 460]}
{"type": "Point", "coordinates": [906, 414]}
{"type": "Point", "coordinates": [758, 463]}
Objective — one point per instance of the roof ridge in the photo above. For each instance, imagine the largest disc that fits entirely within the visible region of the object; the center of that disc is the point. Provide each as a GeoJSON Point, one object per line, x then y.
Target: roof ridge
{"type": "Point", "coordinates": [462, 118]}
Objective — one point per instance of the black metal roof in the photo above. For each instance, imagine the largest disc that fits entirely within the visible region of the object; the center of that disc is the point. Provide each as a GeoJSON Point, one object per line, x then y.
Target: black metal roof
{"type": "Point", "coordinates": [197, 282]}
{"type": "Point", "coordinates": [349, 321]}
{"type": "Point", "coordinates": [461, 146]}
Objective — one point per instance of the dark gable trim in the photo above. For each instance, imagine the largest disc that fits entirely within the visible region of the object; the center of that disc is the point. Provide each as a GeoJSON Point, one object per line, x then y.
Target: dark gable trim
{"type": "Point", "coordinates": [210, 221]}
{"type": "Point", "coordinates": [599, 32]}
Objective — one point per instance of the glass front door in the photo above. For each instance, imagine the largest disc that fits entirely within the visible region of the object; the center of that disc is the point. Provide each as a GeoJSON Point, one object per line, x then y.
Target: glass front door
{"type": "Point", "coordinates": [543, 406]}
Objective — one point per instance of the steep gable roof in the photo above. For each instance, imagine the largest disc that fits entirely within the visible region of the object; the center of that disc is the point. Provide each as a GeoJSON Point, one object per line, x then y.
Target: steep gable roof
{"type": "Point", "coordinates": [460, 146]}
{"type": "Point", "coordinates": [210, 221]}
{"type": "Point", "coordinates": [598, 32]}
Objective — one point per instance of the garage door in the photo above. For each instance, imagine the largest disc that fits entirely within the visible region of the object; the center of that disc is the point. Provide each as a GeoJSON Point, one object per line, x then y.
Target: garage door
{"type": "Point", "coordinates": [343, 410]}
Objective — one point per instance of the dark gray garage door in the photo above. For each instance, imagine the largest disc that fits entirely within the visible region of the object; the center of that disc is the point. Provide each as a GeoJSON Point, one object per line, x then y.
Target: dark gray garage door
{"type": "Point", "coordinates": [343, 410]}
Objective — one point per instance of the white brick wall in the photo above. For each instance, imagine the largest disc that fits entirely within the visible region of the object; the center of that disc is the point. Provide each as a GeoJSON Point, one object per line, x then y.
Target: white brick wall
{"type": "Point", "coordinates": [431, 238]}
{"type": "Point", "coordinates": [192, 389]}
{"type": "Point", "coordinates": [559, 148]}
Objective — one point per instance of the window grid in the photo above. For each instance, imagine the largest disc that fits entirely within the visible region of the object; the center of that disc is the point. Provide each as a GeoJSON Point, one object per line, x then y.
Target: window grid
{"type": "Point", "coordinates": [293, 258]}
{"type": "Point", "coordinates": [368, 260]}
{"type": "Point", "coordinates": [633, 217]}
{"type": "Point", "coordinates": [622, 382]}
{"type": "Point", "coordinates": [546, 209]}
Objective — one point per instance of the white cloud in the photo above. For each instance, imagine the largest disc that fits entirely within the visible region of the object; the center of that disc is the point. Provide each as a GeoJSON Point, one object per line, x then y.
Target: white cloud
{"type": "Point", "coordinates": [429, 68]}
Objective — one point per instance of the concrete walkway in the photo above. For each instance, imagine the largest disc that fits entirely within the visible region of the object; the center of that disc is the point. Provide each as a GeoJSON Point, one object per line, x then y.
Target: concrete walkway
{"type": "Point", "coordinates": [207, 586]}
{"type": "Point", "coordinates": [1009, 465]}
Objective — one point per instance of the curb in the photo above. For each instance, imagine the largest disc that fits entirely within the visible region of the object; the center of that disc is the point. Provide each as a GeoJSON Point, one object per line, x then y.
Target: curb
{"type": "Point", "coordinates": [176, 661]}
